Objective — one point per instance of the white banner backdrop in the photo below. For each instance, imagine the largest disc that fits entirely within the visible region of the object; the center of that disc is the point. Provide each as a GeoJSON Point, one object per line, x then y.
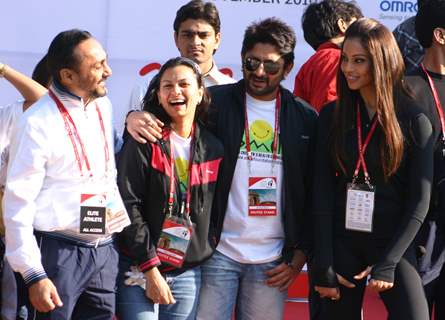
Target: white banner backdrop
{"type": "Point", "coordinates": [138, 32]}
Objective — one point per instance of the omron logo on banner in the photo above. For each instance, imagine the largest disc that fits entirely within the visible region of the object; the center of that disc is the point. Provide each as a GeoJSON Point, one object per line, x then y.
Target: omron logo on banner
{"type": "Point", "coordinates": [398, 6]}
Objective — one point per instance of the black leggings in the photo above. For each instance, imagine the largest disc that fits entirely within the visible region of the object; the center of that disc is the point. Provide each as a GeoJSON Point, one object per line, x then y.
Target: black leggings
{"type": "Point", "coordinates": [405, 301]}
{"type": "Point", "coordinates": [435, 295]}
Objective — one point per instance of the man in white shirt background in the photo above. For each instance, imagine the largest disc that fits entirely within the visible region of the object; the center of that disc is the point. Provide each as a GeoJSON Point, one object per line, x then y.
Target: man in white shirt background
{"type": "Point", "coordinates": [197, 36]}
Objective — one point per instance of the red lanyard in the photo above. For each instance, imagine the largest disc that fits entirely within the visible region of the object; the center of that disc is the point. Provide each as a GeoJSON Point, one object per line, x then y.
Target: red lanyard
{"type": "Point", "coordinates": [275, 134]}
{"type": "Point", "coordinates": [436, 100]}
{"type": "Point", "coordinates": [71, 128]}
{"type": "Point", "coordinates": [362, 148]}
{"type": "Point", "coordinates": [171, 198]}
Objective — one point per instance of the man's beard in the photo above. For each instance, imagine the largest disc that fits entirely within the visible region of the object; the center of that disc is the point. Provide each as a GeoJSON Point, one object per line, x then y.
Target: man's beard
{"type": "Point", "coordinates": [99, 92]}
{"type": "Point", "coordinates": [264, 91]}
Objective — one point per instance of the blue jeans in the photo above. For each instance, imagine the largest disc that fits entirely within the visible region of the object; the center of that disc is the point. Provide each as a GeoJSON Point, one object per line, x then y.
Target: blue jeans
{"type": "Point", "coordinates": [226, 283]}
{"type": "Point", "coordinates": [132, 304]}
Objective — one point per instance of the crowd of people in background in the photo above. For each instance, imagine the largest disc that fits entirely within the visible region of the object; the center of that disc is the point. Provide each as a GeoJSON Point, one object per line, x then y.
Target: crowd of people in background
{"type": "Point", "coordinates": [220, 191]}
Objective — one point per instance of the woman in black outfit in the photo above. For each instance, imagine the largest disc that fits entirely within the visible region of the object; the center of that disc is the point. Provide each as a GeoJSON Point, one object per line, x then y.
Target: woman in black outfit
{"type": "Point", "coordinates": [373, 176]}
{"type": "Point", "coordinates": [168, 189]}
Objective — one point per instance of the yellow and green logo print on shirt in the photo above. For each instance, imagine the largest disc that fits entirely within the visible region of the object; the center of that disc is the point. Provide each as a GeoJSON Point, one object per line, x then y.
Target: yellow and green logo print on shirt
{"type": "Point", "coordinates": [261, 137]}
{"type": "Point", "coordinates": [182, 166]}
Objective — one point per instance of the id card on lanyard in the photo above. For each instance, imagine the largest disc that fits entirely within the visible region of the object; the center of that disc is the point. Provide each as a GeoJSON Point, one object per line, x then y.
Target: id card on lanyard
{"type": "Point", "coordinates": [360, 197]}
{"type": "Point", "coordinates": [177, 231]}
{"type": "Point", "coordinates": [174, 240]}
{"type": "Point", "coordinates": [262, 191]}
{"type": "Point", "coordinates": [100, 209]}
{"type": "Point", "coordinates": [262, 196]}
{"type": "Point", "coordinates": [438, 106]}
{"type": "Point", "coordinates": [359, 207]}
{"type": "Point", "coordinates": [92, 213]}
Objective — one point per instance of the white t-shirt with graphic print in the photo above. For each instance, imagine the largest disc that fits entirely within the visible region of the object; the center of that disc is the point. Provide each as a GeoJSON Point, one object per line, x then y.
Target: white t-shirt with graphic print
{"type": "Point", "coordinates": [254, 239]}
{"type": "Point", "coordinates": [181, 155]}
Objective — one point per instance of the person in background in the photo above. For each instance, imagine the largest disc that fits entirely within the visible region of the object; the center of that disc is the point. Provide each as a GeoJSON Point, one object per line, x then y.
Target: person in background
{"type": "Point", "coordinates": [405, 34]}
{"type": "Point", "coordinates": [428, 85]}
{"type": "Point", "coordinates": [31, 90]}
{"type": "Point", "coordinates": [197, 35]}
{"type": "Point", "coordinates": [372, 182]}
{"type": "Point", "coordinates": [61, 202]}
{"type": "Point", "coordinates": [162, 197]}
{"type": "Point", "coordinates": [324, 24]}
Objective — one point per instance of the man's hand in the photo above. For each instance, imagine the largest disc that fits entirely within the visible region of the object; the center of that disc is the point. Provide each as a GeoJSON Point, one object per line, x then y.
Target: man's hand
{"type": "Point", "coordinates": [43, 296]}
{"type": "Point", "coordinates": [284, 274]}
{"type": "Point", "coordinates": [143, 126]}
{"type": "Point", "coordinates": [156, 288]}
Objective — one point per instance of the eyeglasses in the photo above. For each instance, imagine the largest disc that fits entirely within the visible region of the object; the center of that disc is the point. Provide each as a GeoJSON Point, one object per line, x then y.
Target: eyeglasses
{"type": "Point", "coordinates": [270, 67]}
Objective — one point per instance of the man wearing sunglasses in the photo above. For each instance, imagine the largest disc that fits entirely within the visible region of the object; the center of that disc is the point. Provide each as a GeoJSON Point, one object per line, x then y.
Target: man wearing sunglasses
{"type": "Point", "coordinates": [260, 208]}
{"type": "Point", "coordinates": [260, 212]}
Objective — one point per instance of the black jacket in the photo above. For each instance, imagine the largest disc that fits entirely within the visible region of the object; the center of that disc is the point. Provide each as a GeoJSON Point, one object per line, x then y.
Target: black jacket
{"type": "Point", "coordinates": [144, 182]}
{"type": "Point", "coordinates": [297, 130]}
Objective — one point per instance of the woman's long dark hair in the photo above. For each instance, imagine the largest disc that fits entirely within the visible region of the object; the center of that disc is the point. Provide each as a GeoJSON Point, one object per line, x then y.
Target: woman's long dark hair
{"type": "Point", "coordinates": [387, 69]}
{"type": "Point", "coordinates": [151, 103]}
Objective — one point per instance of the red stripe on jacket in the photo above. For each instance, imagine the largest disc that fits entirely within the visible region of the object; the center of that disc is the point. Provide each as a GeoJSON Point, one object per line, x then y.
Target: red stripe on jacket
{"type": "Point", "coordinates": [149, 264]}
{"type": "Point", "coordinates": [159, 160]}
{"type": "Point", "coordinates": [202, 173]}
{"type": "Point", "coordinates": [206, 172]}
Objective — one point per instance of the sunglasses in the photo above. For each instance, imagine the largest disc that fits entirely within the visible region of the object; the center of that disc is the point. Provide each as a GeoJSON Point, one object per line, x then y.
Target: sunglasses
{"type": "Point", "coordinates": [270, 67]}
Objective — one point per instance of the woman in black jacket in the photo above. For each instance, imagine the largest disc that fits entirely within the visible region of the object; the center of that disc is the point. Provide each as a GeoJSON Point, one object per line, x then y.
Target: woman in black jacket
{"type": "Point", "coordinates": [168, 189]}
{"type": "Point", "coordinates": [372, 183]}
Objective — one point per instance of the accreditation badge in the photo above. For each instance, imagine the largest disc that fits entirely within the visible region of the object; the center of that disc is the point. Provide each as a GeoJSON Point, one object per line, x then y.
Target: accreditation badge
{"type": "Point", "coordinates": [117, 216]}
{"type": "Point", "coordinates": [174, 240]}
{"type": "Point", "coordinates": [262, 196]}
{"type": "Point", "coordinates": [92, 213]}
{"type": "Point", "coordinates": [359, 207]}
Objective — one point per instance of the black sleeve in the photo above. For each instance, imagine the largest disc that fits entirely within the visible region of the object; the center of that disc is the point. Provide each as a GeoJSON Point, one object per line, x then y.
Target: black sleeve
{"type": "Point", "coordinates": [211, 118]}
{"type": "Point", "coordinates": [420, 170]}
{"type": "Point", "coordinates": [307, 238]}
{"type": "Point", "coordinates": [323, 203]}
{"type": "Point", "coordinates": [133, 174]}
